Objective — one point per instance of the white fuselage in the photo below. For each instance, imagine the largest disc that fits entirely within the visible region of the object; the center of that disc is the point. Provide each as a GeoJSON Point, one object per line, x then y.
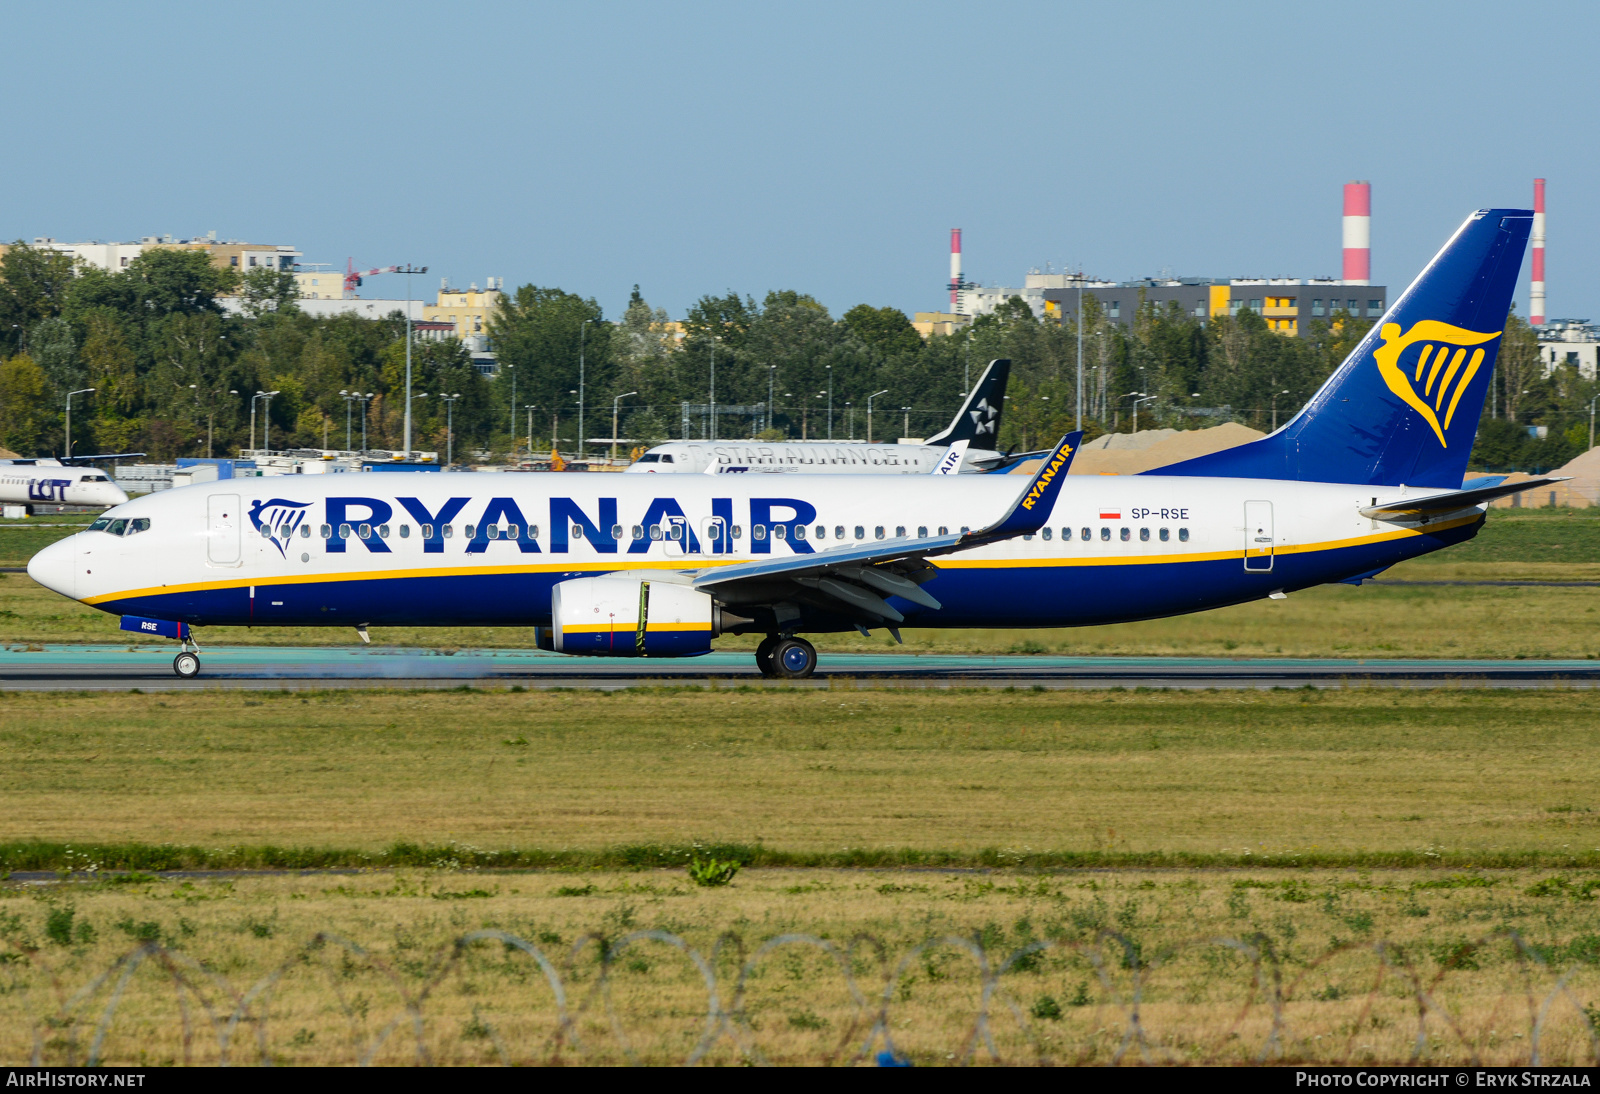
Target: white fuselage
{"type": "Point", "coordinates": [798, 458]}
{"type": "Point", "coordinates": [43, 484]}
{"type": "Point", "coordinates": [1115, 547]}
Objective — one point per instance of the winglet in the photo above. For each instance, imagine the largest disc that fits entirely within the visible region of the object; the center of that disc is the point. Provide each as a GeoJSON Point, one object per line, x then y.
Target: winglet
{"type": "Point", "coordinates": [953, 458]}
{"type": "Point", "coordinates": [1032, 509]}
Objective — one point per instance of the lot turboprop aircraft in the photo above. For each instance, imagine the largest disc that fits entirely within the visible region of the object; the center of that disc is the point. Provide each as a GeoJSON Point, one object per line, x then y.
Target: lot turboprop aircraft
{"type": "Point", "coordinates": [977, 424]}
{"type": "Point", "coordinates": [1368, 474]}
{"type": "Point", "coordinates": [44, 482]}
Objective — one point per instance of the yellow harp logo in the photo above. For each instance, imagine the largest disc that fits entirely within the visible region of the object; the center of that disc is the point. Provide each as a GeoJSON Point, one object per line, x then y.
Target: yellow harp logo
{"type": "Point", "coordinates": [1434, 383]}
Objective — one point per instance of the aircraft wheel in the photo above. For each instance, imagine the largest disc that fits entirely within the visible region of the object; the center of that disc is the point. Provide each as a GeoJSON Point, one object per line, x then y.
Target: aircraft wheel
{"type": "Point", "coordinates": [764, 655]}
{"type": "Point", "coordinates": [186, 665]}
{"type": "Point", "coordinates": [794, 658]}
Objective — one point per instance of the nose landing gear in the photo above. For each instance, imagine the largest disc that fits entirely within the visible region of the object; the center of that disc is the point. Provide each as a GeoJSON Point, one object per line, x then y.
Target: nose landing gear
{"type": "Point", "coordinates": [186, 665]}
{"type": "Point", "coordinates": [786, 657]}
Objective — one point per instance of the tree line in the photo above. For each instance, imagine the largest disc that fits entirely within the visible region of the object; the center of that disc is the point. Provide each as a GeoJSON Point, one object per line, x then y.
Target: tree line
{"type": "Point", "coordinates": [174, 373]}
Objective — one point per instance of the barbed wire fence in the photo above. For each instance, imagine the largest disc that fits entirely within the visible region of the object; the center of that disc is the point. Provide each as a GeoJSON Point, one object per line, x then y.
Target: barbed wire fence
{"type": "Point", "coordinates": [232, 1027]}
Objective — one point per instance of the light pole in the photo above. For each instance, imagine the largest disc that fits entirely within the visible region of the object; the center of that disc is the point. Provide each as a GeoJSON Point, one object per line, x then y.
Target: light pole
{"type": "Point", "coordinates": [266, 420]}
{"type": "Point", "coordinates": [1275, 395]}
{"type": "Point", "coordinates": [830, 401]}
{"type": "Point", "coordinates": [408, 270]}
{"type": "Point", "coordinates": [583, 329]}
{"type": "Point", "coordinates": [530, 408]}
{"type": "Point", "coordinates": [713, 432]}
{"type": "Point", "coordinates": [1079, 423]}
{"type": "Point", "coordinates": [905, 427]}
{"type": "Point", "coordinates": [365, 399]}
{"type": "Point", "coordinates": [511, 413]}
{"type": "Point", "coordinates": [614, 403]}
{"type": "Point", "coordinates": [772, 380]}
{"type": "Point", "coordinates": [86, 390]}
{"type": "Point", "coordinates": [1136, 402]}
{"type": "Point", "coordinates": [348, 399]}
{"type": "Point", "coordinates": [449, 427]}
{"type": "Point", "coordinates": [1135, 408]}
{"type": "Point", "coordinates": [871, 397]}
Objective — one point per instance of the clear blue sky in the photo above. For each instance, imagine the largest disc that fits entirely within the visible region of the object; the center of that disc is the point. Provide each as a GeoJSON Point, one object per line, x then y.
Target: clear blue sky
{"type": "Point", "coordinates": [825, 147]}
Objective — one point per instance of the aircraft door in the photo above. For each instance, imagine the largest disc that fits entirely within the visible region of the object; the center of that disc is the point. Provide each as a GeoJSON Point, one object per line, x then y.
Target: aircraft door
{"type": "Point", "coordinates": [713, 535]}
{"type": "Point", "coordinates": [222, 529]}
{"type": "Point", "coordinates": [680, 537]}
{"type": "Point", "coordinates": [1258, 536]}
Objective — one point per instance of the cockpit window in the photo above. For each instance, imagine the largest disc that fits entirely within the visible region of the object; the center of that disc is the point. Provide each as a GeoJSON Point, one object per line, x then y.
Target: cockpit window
{"type": "Point", "coordinates": [100, 525]}
{"type": "Point", "coordinates": [117, 527]}
{"type": "Point", "coordinates": [666, 457]}
{"type": "Point", "coordinates": [650, 457]}
{"type": "Point", "coordinates": [137, 525]}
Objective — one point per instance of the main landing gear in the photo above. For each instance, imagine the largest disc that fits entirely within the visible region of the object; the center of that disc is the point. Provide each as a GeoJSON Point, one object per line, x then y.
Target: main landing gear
{"type": "Point", "coordinates": [786, 657]}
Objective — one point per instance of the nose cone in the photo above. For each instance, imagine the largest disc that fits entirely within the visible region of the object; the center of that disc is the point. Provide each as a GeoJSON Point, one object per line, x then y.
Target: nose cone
{"type": "Point", "coordinates": [112, 493]}
{"type": "Point", "coordinates": [56, 567]}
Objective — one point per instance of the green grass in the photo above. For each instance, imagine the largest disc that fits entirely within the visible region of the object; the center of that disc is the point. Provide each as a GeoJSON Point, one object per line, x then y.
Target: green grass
{"type": "Point", "coordinates": [822, 777]}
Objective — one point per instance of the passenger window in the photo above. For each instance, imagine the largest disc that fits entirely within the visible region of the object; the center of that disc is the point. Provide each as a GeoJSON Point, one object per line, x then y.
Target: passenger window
{"type": "Point", "coordinates": [838, 532]}
{"type": "Point", "coordinates": [305, 531]}
{"type": "Point", "coordinates": [364, 531]}
{"type": "Point", "coordinates": [469, 530]}
{"type": "Point", "coordinates": [877, 533]}
{"type": "Point", "coordinates": [861, 533]}
{"type": "Point", "coordinates": [1144, 535]}
{"type": "Point", "coordinates": [1045, 533]}
{"type": "Point", "coordinates": [655, 531]}
{"type": "Point", "coordinates": [450, 530]}
{"type": "Point", "coordinates": [1165, 535]}
{"type": "Point", "coordinates": [266, 532]}
{"type": "Point", "coordinates": [616, 532]}
{"type": "Point", "coordinates": [427, 531]}
{"type": "Point", "coordinates": [943, 531]}
{"type": "Point", "coordinates": [119, 526]}
{"type": "Point", "coordinates": [533, 531]}
{"type": "Point", "coordinates": [799, 532]}
{"type": "Point", "coordinates": [405, 531]}
{"type": "Point", "coordinates": [822, 531]}
{"type": "Point", "coordinates": [779, 531]}
{"type": "Point", "coordinates": [922, 531]}
{"type": "Point", "coordinates": [638, 531]}
{"type": "Point", "coordinates": [491, 531]}
{"type": "Point", "coordinates": [327, 532]}
{"type": "Point", "coordinates": [1105, 535]}
{"type": "Point", "coordinates": [344, 531]}
{"type": "Point", "coordinates": [758, 531]}
{"type": "Point", "coordinates": [737, 531]}
{"type": "Point", "coordinates": [965, 529]}
{"type": "Point", "coordinates": [142, 524]}
{"type": "Point", "coordinates": [899, 531]}
{"type": "Point", "coordinates": [1028, 536]}
{"type": "Point", "coordinates": [383, 531]}
{"type": "Point", "coordinates": [577, 531]}
{"type": "Point", "coordinates": [1083, 533]}
{"type": "Point", "coordinates": [1183, 535]}
{"type": "Point", "coordinates": [1126, 533]}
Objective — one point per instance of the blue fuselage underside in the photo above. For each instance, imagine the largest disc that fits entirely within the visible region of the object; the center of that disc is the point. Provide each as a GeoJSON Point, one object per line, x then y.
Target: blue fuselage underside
{"type": "Point", "coordinates": [1019, 594]}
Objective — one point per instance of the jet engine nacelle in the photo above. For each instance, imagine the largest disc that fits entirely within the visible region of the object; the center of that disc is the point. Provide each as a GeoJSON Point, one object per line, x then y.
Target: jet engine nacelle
{"type": "Point", "coordinates": [625, 616]}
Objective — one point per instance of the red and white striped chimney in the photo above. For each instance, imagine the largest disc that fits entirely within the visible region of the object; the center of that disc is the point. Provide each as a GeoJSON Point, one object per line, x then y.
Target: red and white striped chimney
{"type": "Point", "coordinates": [955, 270]}
{"type": "Point", "coordinates": [1358, 233]}
{"type": "Point", "coordinates": [1536, 295]}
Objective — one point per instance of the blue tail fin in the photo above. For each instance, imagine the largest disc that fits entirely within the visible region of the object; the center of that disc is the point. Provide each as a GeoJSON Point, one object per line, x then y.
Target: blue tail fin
{"type": "Point", "coordinates": [1404, 406]}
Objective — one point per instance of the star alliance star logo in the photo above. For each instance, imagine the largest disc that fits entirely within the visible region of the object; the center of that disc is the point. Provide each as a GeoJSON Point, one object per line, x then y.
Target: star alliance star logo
{"type": "Point", "coordinates": [983, 416]}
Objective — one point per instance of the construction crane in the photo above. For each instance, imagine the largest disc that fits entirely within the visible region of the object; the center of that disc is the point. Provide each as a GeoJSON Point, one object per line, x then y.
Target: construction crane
{"type": "Point", "coordinates": [352, 278]}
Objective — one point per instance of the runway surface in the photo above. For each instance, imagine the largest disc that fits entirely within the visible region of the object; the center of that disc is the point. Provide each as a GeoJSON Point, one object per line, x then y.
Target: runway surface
{"type": "Point", "coordinates": [149, 668]}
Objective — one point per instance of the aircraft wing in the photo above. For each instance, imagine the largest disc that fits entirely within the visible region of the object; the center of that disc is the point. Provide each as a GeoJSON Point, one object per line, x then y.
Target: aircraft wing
{"type": "Point", "coordinates": [1431, 505]}
{"type": "Point", "coordinates": [855, 581]}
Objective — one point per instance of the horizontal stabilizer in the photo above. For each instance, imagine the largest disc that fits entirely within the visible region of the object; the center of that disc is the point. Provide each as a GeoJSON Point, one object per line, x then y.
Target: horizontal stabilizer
{"type": "Point", "coordinates": [1433, 504]}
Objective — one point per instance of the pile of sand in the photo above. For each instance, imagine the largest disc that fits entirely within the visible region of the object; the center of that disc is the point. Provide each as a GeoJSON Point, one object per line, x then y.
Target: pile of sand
{"type": "Point", "coordinates": [1581, 491]}
{"type": "Point", "coordinates": [1148, 449]}
{"type": "Point", "coordinates": [7, 454]}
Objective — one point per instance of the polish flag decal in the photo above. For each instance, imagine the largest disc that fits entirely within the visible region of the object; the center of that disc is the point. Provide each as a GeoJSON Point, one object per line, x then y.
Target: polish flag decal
{"type": "Point", "coordinates": [1110, 514]}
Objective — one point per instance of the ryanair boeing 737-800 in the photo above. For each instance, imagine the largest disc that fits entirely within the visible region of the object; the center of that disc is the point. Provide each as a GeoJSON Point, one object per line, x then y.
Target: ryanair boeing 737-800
{"type": "Point", "coordinates": [1368, 474]}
